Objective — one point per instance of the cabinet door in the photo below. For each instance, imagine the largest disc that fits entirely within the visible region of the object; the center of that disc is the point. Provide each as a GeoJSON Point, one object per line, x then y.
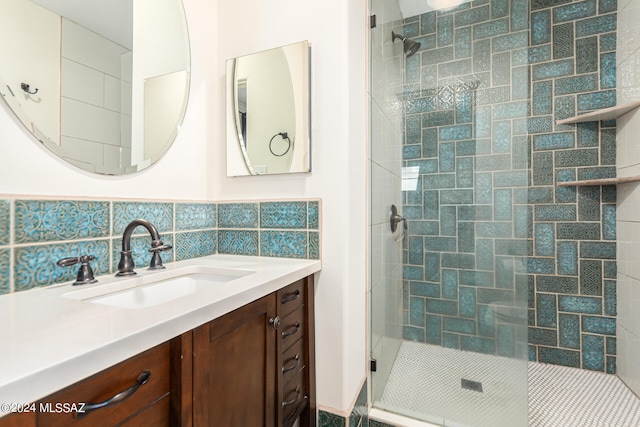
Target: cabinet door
{"type": "Point", "coordinates": [234, 368]}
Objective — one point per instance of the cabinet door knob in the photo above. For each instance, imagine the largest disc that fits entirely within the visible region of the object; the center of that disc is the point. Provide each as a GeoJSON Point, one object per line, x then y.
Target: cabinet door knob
{"type": "Point", "coordinates": [275, 322]}
{"type": "Point", "coordinates": [122, 396]}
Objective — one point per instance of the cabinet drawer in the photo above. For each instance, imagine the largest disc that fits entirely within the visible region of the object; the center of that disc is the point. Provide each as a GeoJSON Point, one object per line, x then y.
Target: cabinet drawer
{"type": "Point", "coordinates": [156, 415]}
{"type": "Point", "coordinates": [293, 360]}
{"type": "Point", "coordinates": [290, 298]}
{"type": "Point", "coordinates": [107, 384]}
{"type": "Point", "coordinates": [294, 397]}
{"type": "Point", "coordinates": [291, 328]}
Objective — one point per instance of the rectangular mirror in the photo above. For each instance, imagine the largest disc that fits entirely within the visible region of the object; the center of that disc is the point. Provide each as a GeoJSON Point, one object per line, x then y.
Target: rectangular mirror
{"type": "Point", "coordinates": [268, 112]}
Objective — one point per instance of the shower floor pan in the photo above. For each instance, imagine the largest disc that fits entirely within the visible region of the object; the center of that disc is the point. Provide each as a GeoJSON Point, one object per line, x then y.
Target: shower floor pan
{"type": "Point", "coordinates": [426, 383]}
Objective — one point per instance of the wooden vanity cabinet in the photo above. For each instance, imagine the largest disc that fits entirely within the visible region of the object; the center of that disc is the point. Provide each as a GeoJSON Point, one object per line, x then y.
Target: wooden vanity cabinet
{"type": "Point", "coordinates": [255, 365]}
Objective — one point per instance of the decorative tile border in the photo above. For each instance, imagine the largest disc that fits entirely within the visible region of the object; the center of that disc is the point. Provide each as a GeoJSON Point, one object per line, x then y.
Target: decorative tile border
{"type": "Point", "coordinates": [35, 266]}
{"type": "Point", "coordinates": [5, 271]}
{"type": "Point", "coordinates": [5, 220]}
{"type": "Point", "coordinates": [291, 244]}
{"type": "Point", "coordinates": [50, 220]}
{"type": "Point", "coordinates": [238, 242]}
{"type": "Point", "coordinates": [35, 233]}
{"type": "Point", "coordinates": [238, 215]}
{"type": "Point", "coordinates": [140, 251]}
{"type": "Point", "coordinates": [195, 244]}
{"type": "Point", "coordinates": [160, 215]}
{"type": "Point", "coordinates": [283, 215]}
{"type": "Point", "coordinates": [196, 216]}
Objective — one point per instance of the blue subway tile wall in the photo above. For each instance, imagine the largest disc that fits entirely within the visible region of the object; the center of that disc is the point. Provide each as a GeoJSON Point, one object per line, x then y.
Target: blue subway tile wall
{"type": "Point", "coordinates": [35, 233]}
{"type": "Point", "coordinates": [487, 224]}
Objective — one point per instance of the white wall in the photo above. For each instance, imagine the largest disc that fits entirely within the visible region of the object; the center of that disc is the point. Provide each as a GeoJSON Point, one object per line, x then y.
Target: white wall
{"type": "Point", "coordinates": [628, 217]}
{"type": "Point", "coordinates": [194, 167]}
{"type": "Point", "coordinates": [336, 30]}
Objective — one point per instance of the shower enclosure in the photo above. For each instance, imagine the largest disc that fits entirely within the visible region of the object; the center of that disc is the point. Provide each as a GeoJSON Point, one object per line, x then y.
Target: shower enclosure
{"type": "Point", "coordinates": [450, 150]}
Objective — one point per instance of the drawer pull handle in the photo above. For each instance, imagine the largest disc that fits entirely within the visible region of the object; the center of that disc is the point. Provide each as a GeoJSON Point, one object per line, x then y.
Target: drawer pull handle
{"type": "Point", "coordinates": [292, 366]}
{"type": "Point", "coordinates": [294, 296]}
{"type": "Point", "coordinates": [292, 415]}
{"type": "Point", "coordinates": [120, 397]}
{"type": "Point", "coordinates": [291, 331]}
{"type": "Point", "coordinates": [294, 400]}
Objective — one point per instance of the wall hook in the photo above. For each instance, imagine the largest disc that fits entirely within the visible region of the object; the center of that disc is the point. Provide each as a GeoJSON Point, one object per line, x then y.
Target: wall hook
{"type": "Point", "coordinates": [25, 87]}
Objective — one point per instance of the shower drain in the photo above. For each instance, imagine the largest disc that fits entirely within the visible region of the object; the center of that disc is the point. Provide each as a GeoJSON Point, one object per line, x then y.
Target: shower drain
{"type": "Point", "coordinates": [471, 385]}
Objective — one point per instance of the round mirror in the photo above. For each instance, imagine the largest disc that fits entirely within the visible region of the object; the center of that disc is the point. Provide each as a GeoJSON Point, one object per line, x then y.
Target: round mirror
{"type": "Point", "coordinates": [103, 84]}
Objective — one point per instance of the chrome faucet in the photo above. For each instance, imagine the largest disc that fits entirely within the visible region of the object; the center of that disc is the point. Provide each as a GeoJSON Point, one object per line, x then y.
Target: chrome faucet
{"type": "Point", "coordinates": [126, 264]}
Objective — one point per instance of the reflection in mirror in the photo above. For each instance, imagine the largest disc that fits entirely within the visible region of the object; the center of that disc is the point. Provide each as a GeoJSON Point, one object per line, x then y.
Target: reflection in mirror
{"type": "Point", "coordinates": [107, 80]}
{"type": "Point", "coordinates": [268, 112]}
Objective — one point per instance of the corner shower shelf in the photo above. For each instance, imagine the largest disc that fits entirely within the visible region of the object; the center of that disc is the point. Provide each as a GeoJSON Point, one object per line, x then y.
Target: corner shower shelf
{"type": "Point", "coordinates": [602, 181]}
{"type": "Point", "coordinates": [604, 114]}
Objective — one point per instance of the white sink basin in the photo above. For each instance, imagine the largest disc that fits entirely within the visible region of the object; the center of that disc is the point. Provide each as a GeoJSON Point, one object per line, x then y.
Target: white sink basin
{"type": "Point", "coordinates": [147, 291]}
{"type": "Point", "coordinates": [161, 292]}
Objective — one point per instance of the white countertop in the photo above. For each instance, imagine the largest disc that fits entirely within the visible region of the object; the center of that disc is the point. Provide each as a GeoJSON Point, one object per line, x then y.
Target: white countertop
{"type": "Point", "coordinates": [51, 340]}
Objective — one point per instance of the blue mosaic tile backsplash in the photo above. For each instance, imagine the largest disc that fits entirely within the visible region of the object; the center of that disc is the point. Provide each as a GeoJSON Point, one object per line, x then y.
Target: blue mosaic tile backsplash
{"type": "Point", "coordinates": [496, 253]}
{"type": "Point", "coordinates": [35, 233]}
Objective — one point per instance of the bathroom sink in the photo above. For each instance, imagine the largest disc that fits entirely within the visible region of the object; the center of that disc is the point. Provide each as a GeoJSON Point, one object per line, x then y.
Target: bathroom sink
{"type": "Point", "coordinates": [148, 291]}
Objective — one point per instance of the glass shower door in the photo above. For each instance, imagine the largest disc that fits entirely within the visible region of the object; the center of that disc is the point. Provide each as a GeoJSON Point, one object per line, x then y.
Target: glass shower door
{"type": "Point", "coordinates": [449, 147]}
{"type": "Point", "coordinates": [385, 164]}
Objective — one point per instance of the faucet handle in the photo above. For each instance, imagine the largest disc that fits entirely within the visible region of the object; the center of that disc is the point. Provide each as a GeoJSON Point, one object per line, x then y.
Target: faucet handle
{"type": "Point", "coordinates": [85, 274]}
{"type": "Point", "coordinates": [157, 246]}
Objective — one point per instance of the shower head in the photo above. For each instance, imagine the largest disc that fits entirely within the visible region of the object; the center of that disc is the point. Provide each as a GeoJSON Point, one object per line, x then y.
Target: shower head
{"type": "Point", "coordinates": [409, 46]}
